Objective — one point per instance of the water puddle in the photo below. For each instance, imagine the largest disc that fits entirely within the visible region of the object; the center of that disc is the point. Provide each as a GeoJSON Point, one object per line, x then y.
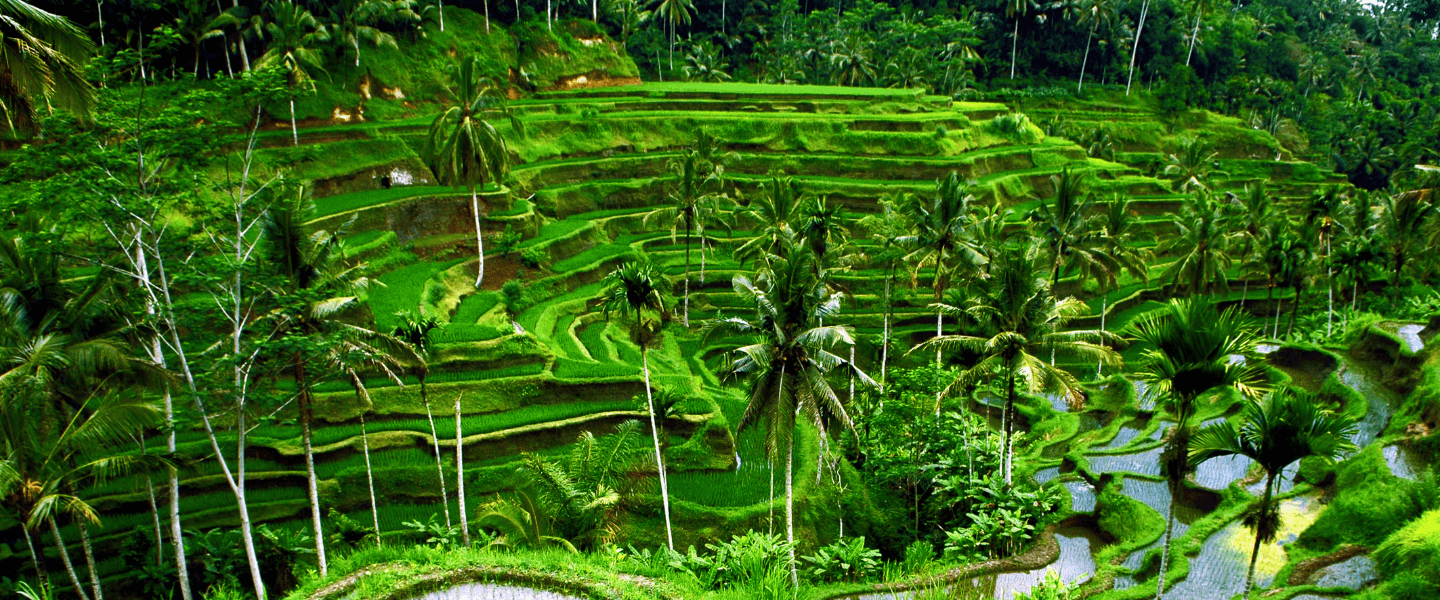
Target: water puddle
{"type": "Point", "coordinates": [1402, 463]}
{"type": "Point", "coordinates": [1354, 573]}
{"type": "Point", "coordinates": [1076, 563]}
{"type": "Point", "coordinates": [1140, 463]}
{"type": "Point", "coordinates": [1266, 348]}
{"type": "Point", "coordinates": [486, 591]}
{"type": "Point", "coordinates": [1364, 381]}
{"type": "Point", "coordinates": [1218, 473]}
{"type": "Point", "coordinates": [1046, 474]}
{"type": "Point", "coordinates": [1082, 496]}
{"type": "Point", "coordinates": [1410, 334]}
{"type": "Point", "coordinates": [1126, 434]}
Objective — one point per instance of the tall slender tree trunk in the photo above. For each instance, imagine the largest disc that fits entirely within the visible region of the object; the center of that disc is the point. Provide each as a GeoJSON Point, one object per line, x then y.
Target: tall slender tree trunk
{"type": "Point", "coordinates": [312, 486]}
{"type": "Point", "coordinates": [1165, 549]}
{"type": "Point", "coordinates": [370, 478]}
{"type": "Point", "coordinates": [686, 315]}
{"type": "Point", "coordinates": [240, 41]}
{"type": "Point", "coordinates": [294, 132]}
{"type": "Point", "coordinates": [549, 24]}
{"type": "Point", "coordinates": [659, 459]}
{"type": "Point", "coordinates": [1255, 551]}
{"type": "Point", "coordinates": [1329, 290]}
{"type": "Point", "coordinates": [479, 239]}
{"type": "Point", "coordinates": [460, 474]}
{"type": "Point", "coordinates": [1295, 309]}
{"type": "Point", "coordinates": [90, 559]}
{"type": "Point", "coordinates": [487, 16]}
{"type": "Point", "coordinates": [1007, 465]}
{"type": "Point", "coordinates": [65, 558]}
{"type": "Point", "coordinates": [1104, 308]}
{"type": "Point", "coordinates": [790, 507]}
{"type": "Point", "coordinates": [441, 5]}
{"type": "Point", "coordinates": [1014, 44]}
{"type": "Point", "coordinates": [34, 556]}
{"type": "Point", "coordinates": [1193, 34]}
{"type": "Point", "coordinates": [885, 331]}
{"type": "Point", "coordinates": [154, 515]}
{"type": "Point", "coordinates": [435, 440]}
{"type": "Point", "coordinates": [356, 42]}
{"type": "Point", "coordinates": [1134, 48]}
{"type": "Point", "coordinates": [939, 331]}
{"type": "Point", "coordinates": [1085, 61]}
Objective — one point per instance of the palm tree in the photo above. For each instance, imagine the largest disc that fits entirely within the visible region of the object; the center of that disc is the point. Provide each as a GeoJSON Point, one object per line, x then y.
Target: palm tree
{"type": "Point", "coordinates": [462, 148]}
{"type": "Point", "coordinates": [886, 230]}
{"type": "Point", "coordinates": [1199, 6]}
{"type": "Point", "coordinates": [1320, 218]}
{"type": "Point", "coordinates": [823, 226]}
{"type": "Point", "coordinates": [1096, 13]}
{"type": "Point", "coordinates": [1287, 427]}
{"type": "Point", "coordinates": [1404, 217]}
{"type": "Point", "coordinates": [1190, 344]}
{"type": "Point", "coordinates": [314, 294]}
{"type": "Point", "coordinates": [1193, 165]}
{"type": "Point", "coordinates": [1201, 243]}
{"type": "Point", "coordinates": [1255, 212]}
{"type": "Point", "coordinates": [635, 289]}
{"type": "Point", "coordinates": [44, 57]}
{"type": "Point", "coordinates": [353, 21]}
{"type": "Point", "coordinates": [1119, 236]}
{"type": "Point", "coordinates": [414, 329]}
{"type": "Point", "coordinates": [586, 494]}
{"type": "Point", "coordinates": [1015, 9]}
{"type": "Point", "coordinates": [673, 13]}
{"type": "Point", "coordinates": [693, 205]}
{"type": "Point", "coordinates": [293, 33]}
{"type": "Point", "coordinates": [1071, 228]}
{"type": "Point", "coordinates": [1135, 46]}
{"type": "Point", "coordinates": [773, 213]}
{"type": "Point", "coordinates": [941, 240]}
{"type": "Point", "coordinates": [788, 363]}
{"type": "Point", "coordinates": [1021, 319]}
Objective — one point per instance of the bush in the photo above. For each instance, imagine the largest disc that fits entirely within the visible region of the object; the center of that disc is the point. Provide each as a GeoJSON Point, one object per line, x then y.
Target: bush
{"type": "Point", "coordinates": [747, 561]}
{"type": "Point", "coordinates": [918, 555]}
{"type": "Point", "coordinates": [845, 560]}
{"type": "Point", "coordinates": [1415, 547]}
{"type": "Point", "coordinates": [534, 257]}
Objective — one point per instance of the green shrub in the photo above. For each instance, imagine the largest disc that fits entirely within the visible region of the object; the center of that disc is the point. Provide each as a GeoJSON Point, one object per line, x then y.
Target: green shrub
{"type": "Point", "coordinates": [918, 555]}
{"type": "Point", "coordinates": [1415, 547]}
{"type": "Point", "coordinates": [845, 560]}
{"type": "Point", "coordinates": [534, 257]}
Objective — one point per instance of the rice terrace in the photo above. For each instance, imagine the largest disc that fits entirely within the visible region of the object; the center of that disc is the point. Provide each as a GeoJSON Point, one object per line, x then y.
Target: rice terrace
{"type": "Point", "coordinates": [719, 300]}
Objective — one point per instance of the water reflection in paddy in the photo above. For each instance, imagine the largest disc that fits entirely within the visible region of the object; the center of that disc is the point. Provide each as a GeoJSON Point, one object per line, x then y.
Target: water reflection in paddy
{"type": "Point", "coordinates": [1353, 573]}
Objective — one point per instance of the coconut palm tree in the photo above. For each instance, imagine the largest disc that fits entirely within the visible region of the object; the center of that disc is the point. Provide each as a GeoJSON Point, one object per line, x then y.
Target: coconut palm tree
{"type": "Point", "coordinates": [354, 21]}
{"type": "Point", "coordinates": [787, 364]}
{"type": "Point", "coordinates": [314, 294]}
{"type": "Point", "coordinates": [1135, 46]}
{"type": "Point", "coordinates": [822, 224]}
{"type": "Point", "coordinates": [1404, 218]}
{"type": "Point", "coordinates": [1021, 320]}
{"type": "Point", "coordinates": [462, 148]}
{"type": "Point", "coordinates": [886, 230]}
{"type": "Point", "coordinates": [1199, 6]}
{"type": "Point", "coordinates": [773, 213]}
{"type": "Point", "coordinates": [1193, 165]}
{"type": "Point", "coordinates": [694, 203]}
{"type": "Point", "coordinates": [1189, 347]}
{"type": "Point", "coordinates": [1286, 427]}
{"type": "Point", "coordinates": [43, 57]}
{"type": "Point", "coordinates": [635, 290]}
{"type": "Point", "coordinates": [1119, 236]}
{"type": "Point", "coordinates": [1015, 9]}
{"type": "Point", "coordinates": [1071, 227]}
{"type": "Point", "coordinates": [673, 13]}
{"type": "Point", "coordinates": [414, 329]}
{"type": "Point", "coordinates": [293, 36]}
{"type": "Point", "coordinates": [1201, 246]}
{"type": "Point", "coordinates": [941, 239]}
{"type": "Point", "coordinates": [1321, 212]}
{"type": "Point", "coordinates": [1096, 13]}
{"type": "Point", "coordinates": [1255, 211]}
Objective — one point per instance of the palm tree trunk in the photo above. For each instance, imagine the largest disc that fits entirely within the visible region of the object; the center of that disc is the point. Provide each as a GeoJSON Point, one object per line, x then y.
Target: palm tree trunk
{"type": "Point", "coordinates": [356, 42]}
{"type": "Point", "coordinates": [595, 10]}
{"type": "Point", "coordinates": [1008, 463]}
{"type": "Point", "coordinates": [487, 17]}
{"type": "Point", "coordinates": [1104, 307]}
{"type": "Point", "coordinates": [247, 533]}
{"type": "Point", "coordinates": [1355, 293]}
{"type": "Point", "coordinates": [294, 133]}
{"type": "Point", "coordinates": [1290, 329]}
{"type": "Point", "coordinates": [65, 558]}
{"type": "Point", "coordinates": [441, 5]}
{"type": "Point", "coordinates": [790, 507]}
{"type": "Point", "coordinates": [1193, 34]}
{"type": "Point", "coordinates": [90, 559]}
{"type": "Point", "coordinates": [1165, 549]}
{"type": "Point", "coordinates": [770, 517]}
{"type": "Point", "coordinates": [939, 331]}
{"type": "Point", "coordinates": [154, 515]}
{"type": "Point", "coordinates": [550, 25]}
{"type": "Point", "coordinates": [1085, 61]}
{"type": "Point", "coordinates": [435, 440]}
{"type": "Point", "coordinates": [885, 332]}
{"type": "Point", "coordinates": [655, 435]}
{"type": "Point", "coordinates": [1135, 47]}
{"type": "Point", "coordinates": [312, 486]}
{"type": "Point", "coordinates": [1014, 43]}
{"type": "Point", "coordinates": [1329, 290]}
{"type": "Point", "coordinates": [685, 318]}
{"type": "Point", "coordinates": [1255, 551]}
{"type": "Point", "coordinates": [479, 239]}
{"type": "Point", "coordinates": [460, 475]}
{"type": "Point", "coordinates": [370, 477]}
{"type": "Point", "coordinates": [34, 556]}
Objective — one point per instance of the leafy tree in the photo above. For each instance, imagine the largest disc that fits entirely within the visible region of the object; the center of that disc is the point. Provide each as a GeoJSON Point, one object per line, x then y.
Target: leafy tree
{"type": "Point", "coordinates": [1201, 245]}
{"type": "Point", "coordinates": [1096, 13]}
{"type": "Point", "coordinates": [1193, 165]}
{"type": "Point", "coordinates": [414, 329]}
{"type": "Point", "coordinates": [462, 148]}
{"type": "Point", "coordinates": [1286, 427]}
{"type": "Point", "coordinates": [941, 239]}
{"type": "Point", "coordinates": [1404, 218]}
{"type": "Point", "coordinates": [354, 21]}
{"type": "Point", "coordinates": [694, 204]}
{"type": "Point", "coordinates": [772, 213]}
{"type": "Point", "coordinates": [1190, 345]}
{"type": "Point", "coordinates": [673, 13]}
{"type": "Point", "coordinates": [635, 289]}
{"type": "Point", "coordinates": [584, 496]}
